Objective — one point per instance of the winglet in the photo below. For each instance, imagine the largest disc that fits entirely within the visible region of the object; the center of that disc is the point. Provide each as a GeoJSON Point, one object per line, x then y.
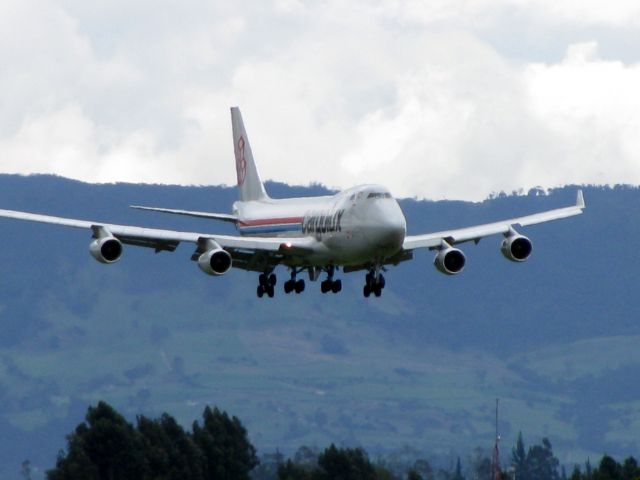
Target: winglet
{"type": "Point", "coordinates": [580, 200]}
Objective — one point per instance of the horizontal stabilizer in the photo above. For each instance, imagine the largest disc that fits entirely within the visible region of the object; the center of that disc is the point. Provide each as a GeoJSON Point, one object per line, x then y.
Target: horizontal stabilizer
{"type": "Point", "coordinates": [214, 216]}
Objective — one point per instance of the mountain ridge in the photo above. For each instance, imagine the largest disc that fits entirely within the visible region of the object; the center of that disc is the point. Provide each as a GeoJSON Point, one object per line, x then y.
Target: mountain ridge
{"type": "Point", "coordinates": [553, 337]}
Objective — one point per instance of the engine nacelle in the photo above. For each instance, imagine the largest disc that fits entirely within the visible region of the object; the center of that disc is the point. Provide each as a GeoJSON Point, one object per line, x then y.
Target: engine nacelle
{"type": "Point", "coordinates": [106, 249]}
{"type": "Point", "coordinates": [215, 261]}
{"type": "Point", "coordinates": [449, 261]}
{"type": "Point", "coordinates": [516, 248]}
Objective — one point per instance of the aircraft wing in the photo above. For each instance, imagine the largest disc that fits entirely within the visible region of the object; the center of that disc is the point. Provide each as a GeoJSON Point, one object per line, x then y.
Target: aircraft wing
{"type": "Point", "coordinates": [475, 233]}
{"type": "Point", "coordinates": [249, 253]}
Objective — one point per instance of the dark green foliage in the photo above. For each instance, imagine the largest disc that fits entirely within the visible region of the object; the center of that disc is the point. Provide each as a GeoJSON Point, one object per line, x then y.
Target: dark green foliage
{"type": "Point", "coordinates": [296, 471]}
{"type": "Point", "coordinates": [346, 464]}
{"type": "Point", "coordinates": [107, 447]}
{"type": "Point", "coordinates": [171, 453]}
{"type": "Point", "coordinates": [481, 466]}
{"type": "Point", "coordinates": [268, 467]}
{"type": "Point", "coordinates": [539, 463]}
{"type": "Point", "coordinates": [333, 464]}
{"type": "Point", "coordinates": [423, 468]}
{"type": "Point", "coordinates": [576, 474]}
{"type": "Point", "coordinates": [413, 475]}
{"type": "Point", "coordinates": [630, 469]}
{"type": "Point", "coordinates": [519, 459]}
{"type": "Point", "coordinates": [457, 475]}
{"type": "Point", "coordinates": [228, 454]}
{"type": "Point", "coordinates": [608, 469]}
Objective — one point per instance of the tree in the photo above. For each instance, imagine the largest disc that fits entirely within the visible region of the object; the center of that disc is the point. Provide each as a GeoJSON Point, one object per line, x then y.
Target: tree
{"type": "Point", "coordinates": [413, 475]}
{"type": "Point", "coordinates": [104, 447]}
{"type": "Point", "coordinates": [457, 474]}
{"type": "Point", "coordinates": [608, 469]}
{"type": "Point", "coordinates": [630, 470]}
{"type": "Point", "coordinates": [541, 463]}
{"type": "Point", "coordinates": [107, 447]}
{"type": "Point", "coordinates": [170, 452]}
{"type": "Point", "coordinates": [269, 465]}
{"type": "Point", "coordinates": [423, 468]}
{"type": "Point", "coordinates": [519, 459]}
{"type": "Point", "coordinates": [294, 471]}
{"type": "Point", "coordinates": [346, 464]}
{"type": "Point", "coordinates": [481, 465]}
{"type": "Point", "coordinates": [26, 470]}
{"type": "Point", "coordinates": [228, 454]}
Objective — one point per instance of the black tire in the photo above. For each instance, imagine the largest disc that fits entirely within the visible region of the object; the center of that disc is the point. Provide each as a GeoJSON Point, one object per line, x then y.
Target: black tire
{"type": "Point", "coordinates": [260, 291]}
{"type": "Point", "coordinates": [366, 291]}
{"type": "Point", "coordinates": [299, 286]}
{"type": "Point", "coordinates": [262, 279]}
{"type": "Point", "coordinates": [325, 286]}
{"type": "Point", "coordinates": [337, 286]}
{"type": "Point", "coordinates": [377, 290]}
{"type": "Point", "coordinates": [288, 287]}
{"type": "Point", "coordinates": [273, 279]}
{"type": "Point", "coordinates": [270, 291]}
{"type": "Point", "coordinates": [381, 281]}
{"type": "Point", "coordinates": [368, 279]}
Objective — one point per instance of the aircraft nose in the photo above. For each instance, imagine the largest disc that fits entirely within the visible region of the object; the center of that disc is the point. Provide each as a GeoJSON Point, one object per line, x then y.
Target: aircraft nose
{"type": "Point", "coordinates": [392, 226]}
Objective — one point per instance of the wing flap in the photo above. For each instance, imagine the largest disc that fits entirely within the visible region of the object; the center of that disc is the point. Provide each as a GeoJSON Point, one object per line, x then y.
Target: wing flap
{"type": "Point", "coordinates": [213, 216]}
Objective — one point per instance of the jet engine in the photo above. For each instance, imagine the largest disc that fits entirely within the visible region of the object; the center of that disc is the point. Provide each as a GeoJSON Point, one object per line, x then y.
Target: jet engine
{"type": "Point", "coordinates": [106, 249]}
{"type": "Point", "coordinates": [449, 260]}
{"type": "Point", "coordinates": [516, 247]}
{"type": "Point", "coordinates": [215, 261]}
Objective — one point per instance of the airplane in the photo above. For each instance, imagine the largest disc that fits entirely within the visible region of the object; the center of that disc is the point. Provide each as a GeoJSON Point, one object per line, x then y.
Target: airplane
{"type": "Point", "coordinates": [358, 229]}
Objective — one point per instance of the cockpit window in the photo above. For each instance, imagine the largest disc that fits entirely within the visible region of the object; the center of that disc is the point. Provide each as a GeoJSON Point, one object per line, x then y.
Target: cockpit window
{"type": "Point", "coordinates": [379, 195]}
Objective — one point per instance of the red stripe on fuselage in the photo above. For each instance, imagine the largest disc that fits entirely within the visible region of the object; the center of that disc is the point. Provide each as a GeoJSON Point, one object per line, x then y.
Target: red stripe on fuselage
{"type": "Point", "coordinates": [270, 221]}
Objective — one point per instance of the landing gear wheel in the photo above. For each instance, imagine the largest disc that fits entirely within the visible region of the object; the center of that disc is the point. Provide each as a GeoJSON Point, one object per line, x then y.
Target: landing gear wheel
{"type": "Point", "coordinates": [270, 291]}
{"type": "Point", "coordinates": [262, 279]}
{"type": "Point", "coordinates": [337, 286]}
{"type": "Point", "coordinates": [381, 281]}
{"type": "Point", "coordinates": [366, 291]}
{"type": "Point", "coordinates": [289, 286]}
{"type": "Point", "coordinates": [272, 279]}
{"type": "Point", "coordinates": [299, 286]}
{"type": "Point", "coordinates": [260, 291]}
{"type": "Point", "coordinates": [325, 286]}
{"type": "Point", "coordinates": [377, 290]}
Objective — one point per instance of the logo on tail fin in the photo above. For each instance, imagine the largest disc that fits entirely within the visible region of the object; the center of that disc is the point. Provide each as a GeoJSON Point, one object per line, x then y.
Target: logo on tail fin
{"type": "Point", "coordinates": [241, 163]}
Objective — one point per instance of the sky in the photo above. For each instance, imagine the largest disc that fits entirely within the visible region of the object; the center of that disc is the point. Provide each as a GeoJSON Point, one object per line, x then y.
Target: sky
{"type": "Point", "coordinates": [455, 99]}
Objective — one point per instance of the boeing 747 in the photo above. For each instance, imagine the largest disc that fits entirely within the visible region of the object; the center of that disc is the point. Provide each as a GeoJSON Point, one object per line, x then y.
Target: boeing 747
{"type": "Point", "coordinates": [358, 229]}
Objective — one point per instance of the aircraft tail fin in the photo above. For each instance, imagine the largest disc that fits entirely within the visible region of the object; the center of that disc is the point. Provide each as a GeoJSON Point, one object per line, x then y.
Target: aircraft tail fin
{"type": "Point", "coordinates": [249, 183]}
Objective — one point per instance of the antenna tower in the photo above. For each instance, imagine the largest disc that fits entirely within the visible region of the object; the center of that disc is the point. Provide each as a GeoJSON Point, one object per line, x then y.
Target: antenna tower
{"type": "Point", "coordinates": [496, 474]}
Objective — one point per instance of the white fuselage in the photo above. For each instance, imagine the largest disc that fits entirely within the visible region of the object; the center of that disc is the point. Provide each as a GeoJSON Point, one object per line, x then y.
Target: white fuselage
{"type": "Point", "coordinates": [363, 224]}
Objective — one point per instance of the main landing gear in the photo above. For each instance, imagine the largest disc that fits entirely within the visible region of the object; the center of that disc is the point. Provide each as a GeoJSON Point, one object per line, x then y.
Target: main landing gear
{"type": "Point", "coordinates": [374, 283]}
{"type": "Point", "coordinates": [331, 285]}
{"type": "Point", "coordinates": [293, 285]}
{"type": "Point", "coordinates": [266, 284]}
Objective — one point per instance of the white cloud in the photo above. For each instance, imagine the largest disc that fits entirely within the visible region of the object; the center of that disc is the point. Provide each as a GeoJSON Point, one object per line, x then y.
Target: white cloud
{"type": "Point", "coordinates": [420, 96]}
{"type": "Point", "coordinates": [592, 107]}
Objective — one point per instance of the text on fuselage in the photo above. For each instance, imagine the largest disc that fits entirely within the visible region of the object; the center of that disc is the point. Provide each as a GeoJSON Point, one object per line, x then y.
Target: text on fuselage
{"type": "Point", "coordinates": [322, 223]}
